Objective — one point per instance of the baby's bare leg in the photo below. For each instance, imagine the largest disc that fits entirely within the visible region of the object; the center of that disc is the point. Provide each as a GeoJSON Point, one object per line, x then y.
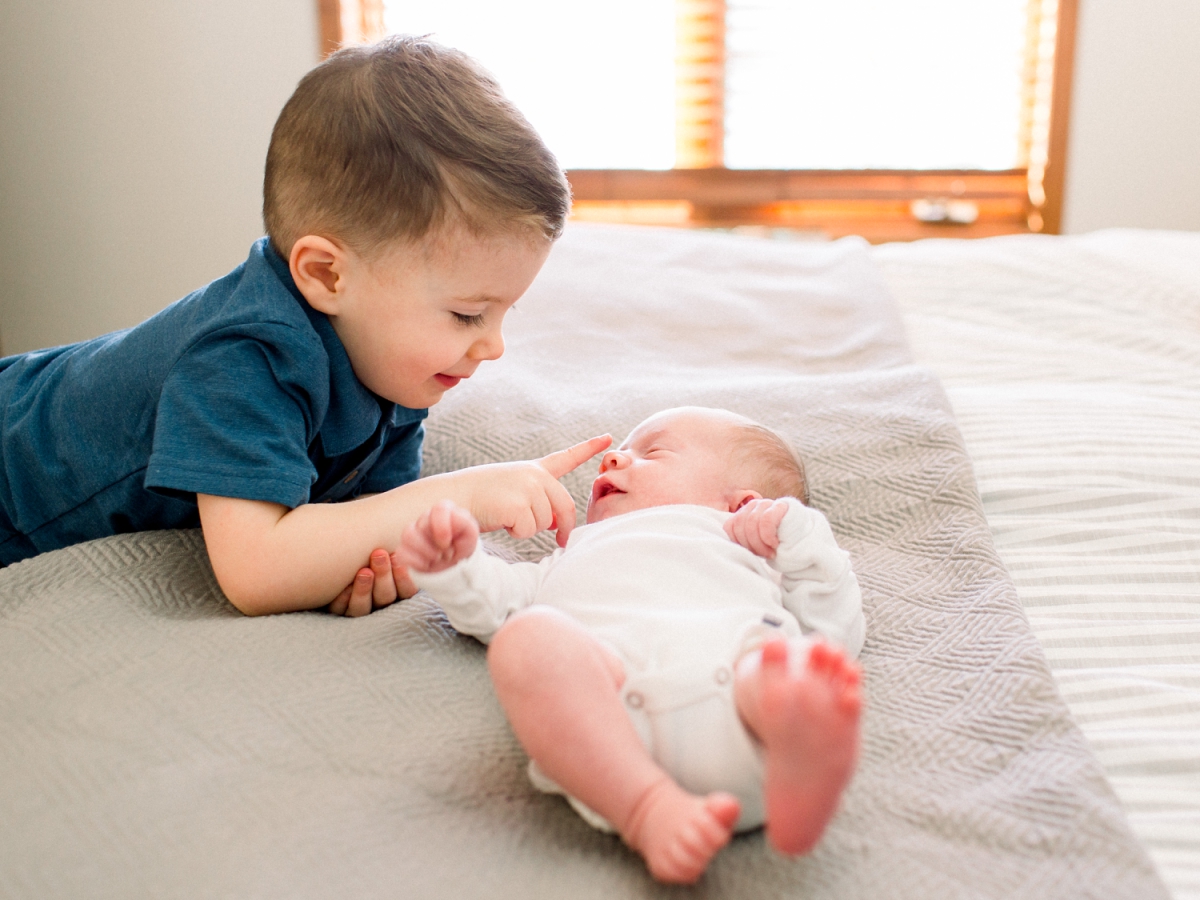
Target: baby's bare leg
{"type": "Point", "coordinates": [803, 705]}
{"type": "Point", "coordinates": [560, 688]}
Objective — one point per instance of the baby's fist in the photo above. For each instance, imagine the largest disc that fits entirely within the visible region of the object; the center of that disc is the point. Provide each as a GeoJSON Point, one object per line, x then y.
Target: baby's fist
{"type": "Point", "coordinates": [756, 526]}
{"type": "Point", "coordinates": [438, 539]}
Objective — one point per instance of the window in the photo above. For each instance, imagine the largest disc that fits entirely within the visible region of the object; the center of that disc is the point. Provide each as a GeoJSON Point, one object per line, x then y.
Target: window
{"type": "Point", "coordinates": [718, 112]}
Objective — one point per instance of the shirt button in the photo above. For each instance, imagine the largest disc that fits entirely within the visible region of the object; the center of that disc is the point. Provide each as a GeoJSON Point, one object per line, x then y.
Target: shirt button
{"type": "Point", "coordinates": [349, 478]}
{"type": "Point", "coordinates": [635, 700]}
{"type": "Point", "coordinates": [721, 675]}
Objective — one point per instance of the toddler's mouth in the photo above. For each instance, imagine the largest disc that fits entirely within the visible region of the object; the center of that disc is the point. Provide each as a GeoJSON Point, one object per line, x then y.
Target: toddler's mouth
{"type": "Point", "coordinates": [447, 381]}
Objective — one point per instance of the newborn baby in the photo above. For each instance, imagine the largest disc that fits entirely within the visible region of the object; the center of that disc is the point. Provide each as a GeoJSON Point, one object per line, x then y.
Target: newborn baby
{"type": "Point", "coordinates": [682, 668]}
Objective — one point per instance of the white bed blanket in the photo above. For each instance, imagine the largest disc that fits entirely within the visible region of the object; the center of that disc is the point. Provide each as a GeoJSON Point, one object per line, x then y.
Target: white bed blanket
{"type": "Point", "coordinates": [1073, 366]}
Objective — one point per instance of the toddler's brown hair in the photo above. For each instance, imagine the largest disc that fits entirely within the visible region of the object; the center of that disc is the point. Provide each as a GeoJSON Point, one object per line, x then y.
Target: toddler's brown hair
{"type": "Point", "coordinates": [392, 140]}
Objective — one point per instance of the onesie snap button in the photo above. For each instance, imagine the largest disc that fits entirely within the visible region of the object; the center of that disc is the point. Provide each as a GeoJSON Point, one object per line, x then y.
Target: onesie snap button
{"type": "Point", "coordinates": [722, 675]}
{"type": "Point", "coordinates": [635, 700]}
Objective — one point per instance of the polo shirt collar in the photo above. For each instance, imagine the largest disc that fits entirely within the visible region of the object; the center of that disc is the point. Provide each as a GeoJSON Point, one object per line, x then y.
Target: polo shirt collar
{"type": "Point", "coordinates": [354, 411]}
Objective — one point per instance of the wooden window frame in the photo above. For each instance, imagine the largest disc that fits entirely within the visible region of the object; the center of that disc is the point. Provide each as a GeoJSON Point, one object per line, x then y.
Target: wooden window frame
{"type": "Point", "coordinates": [344, 22]}
{"type": "Point", "coordinates": [876, 204]}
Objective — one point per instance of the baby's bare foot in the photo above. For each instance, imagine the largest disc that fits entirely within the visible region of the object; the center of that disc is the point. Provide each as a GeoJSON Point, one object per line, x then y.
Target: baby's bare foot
{"type": "Point", "coordinates": [809, 727]}
{"type": "Point", "coordinates": [678, 833]}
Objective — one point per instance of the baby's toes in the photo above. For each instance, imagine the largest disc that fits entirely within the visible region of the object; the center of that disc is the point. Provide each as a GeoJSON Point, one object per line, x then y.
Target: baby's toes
{"type": "Point", "coordinates": [680, 863]}
{"type": "Point", "coordinates": [697, 844]}
{"type": "Point", "coordinates": [822, 659]}
{"type": "Point", "coordinates": [710, 831]}
{"type": "Point", "coordinates": [850, 701]}
{"type": "Point", "coordinates": [774, 657]}
{"type": "Point", "coordinates": [850, 686]}
{"type": "Point", "coordinates": [725, 809]}
{"type": "Point", "coordinates": [832, 664]}
{"type": "Point", "coordinates": [851, 672]}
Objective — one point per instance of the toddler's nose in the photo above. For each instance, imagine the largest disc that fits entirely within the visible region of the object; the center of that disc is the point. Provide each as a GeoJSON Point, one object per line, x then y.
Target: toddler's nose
{"type": "Point", "coordinates": [613, 459]}
{"type": "Point", "coordinates": [490, 345]}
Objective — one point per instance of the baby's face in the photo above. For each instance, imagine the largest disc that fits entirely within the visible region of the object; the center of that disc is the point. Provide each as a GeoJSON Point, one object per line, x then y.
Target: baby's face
{"type": "Point", "coordinates": [677, 456]}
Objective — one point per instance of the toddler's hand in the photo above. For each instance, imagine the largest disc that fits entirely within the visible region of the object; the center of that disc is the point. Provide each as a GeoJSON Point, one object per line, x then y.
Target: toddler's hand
{"type": "Point", "coordinates": [524, 498]}
{"type": "Point", "coordinates": [756, 526]}
{"type": "Point", "coordinates": [375, 586]}
{"type": "Point", "coordinates": [438, 539]}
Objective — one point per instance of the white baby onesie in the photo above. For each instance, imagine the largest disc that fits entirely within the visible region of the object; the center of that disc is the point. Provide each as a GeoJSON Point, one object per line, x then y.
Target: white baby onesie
{"type": "Point", "coordinates": [679, 602]}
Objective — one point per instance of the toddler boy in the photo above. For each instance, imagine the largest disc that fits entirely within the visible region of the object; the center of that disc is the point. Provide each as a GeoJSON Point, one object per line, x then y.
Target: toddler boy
{"type": "Point", "coordinates": [668, 669]}
{"type": "Point", "coordinates": [408, 205]}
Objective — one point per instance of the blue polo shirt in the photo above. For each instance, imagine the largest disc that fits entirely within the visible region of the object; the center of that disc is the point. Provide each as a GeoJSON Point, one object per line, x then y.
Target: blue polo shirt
{"type": "Point", "coordinates": [240, 389]}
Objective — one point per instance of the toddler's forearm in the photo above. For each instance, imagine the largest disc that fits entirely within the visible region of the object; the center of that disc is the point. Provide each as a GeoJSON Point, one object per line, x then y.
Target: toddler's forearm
{"type": "Point", "coordinates": [270, 559]}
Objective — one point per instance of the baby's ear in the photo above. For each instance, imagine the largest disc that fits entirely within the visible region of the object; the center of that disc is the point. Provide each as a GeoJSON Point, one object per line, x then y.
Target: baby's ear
{"type": "Point", "coordinates": [738, 499]}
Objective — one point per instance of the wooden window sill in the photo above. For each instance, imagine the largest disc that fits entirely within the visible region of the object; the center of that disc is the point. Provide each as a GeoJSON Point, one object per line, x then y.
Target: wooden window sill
{"type": "Point", "coordinates": [876, 204]}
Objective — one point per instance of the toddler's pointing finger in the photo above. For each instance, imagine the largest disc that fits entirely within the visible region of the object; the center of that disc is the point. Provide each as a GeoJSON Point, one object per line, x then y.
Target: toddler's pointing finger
{"type": "Point", "coordinates": [561, 462]}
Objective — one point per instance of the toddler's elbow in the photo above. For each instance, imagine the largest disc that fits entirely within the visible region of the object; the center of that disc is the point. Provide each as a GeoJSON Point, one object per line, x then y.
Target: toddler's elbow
{"type": "Point", "coordinates": [250, 606]}
{"type": "Point", "coordinates": [246, 594]}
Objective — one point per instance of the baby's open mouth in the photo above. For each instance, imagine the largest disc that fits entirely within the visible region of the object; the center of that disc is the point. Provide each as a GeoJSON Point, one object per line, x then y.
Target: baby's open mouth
{"type": "Point", "coordinates": [603, 488]}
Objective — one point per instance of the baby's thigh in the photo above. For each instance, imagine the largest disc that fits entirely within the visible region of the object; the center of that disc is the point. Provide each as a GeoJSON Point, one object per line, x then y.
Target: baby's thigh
{"type": "Point", "coordinates": [542, 636]}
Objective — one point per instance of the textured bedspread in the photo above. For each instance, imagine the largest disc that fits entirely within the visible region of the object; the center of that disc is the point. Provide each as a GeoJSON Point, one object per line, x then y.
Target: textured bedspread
{"type": "Point", "coordinates": [1073, 365]}
{"type": "Point", "coordinates": [153, 742]}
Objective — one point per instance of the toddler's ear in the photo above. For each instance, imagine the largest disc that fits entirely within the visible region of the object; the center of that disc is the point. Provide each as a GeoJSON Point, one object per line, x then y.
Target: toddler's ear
{"type": "Point", "coordinates": [317, 265]}
{"type": "Point", "coordinates": [738, 499]}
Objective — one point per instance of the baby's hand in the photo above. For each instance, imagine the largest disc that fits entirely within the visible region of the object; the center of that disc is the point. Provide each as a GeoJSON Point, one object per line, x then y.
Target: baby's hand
{"type": "Point", "coordinates": [756, 526]}
{"type": "Point", "coordinates": [375, 586]}
{"type": "Point", "coordinates": [438, 539]}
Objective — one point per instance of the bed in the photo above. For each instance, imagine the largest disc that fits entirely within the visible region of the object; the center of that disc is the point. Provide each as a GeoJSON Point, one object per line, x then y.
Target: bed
{"type": "Point", "coordinates": [1004, 436]}
{"type": "Point", "coordinates": [1073, 366]}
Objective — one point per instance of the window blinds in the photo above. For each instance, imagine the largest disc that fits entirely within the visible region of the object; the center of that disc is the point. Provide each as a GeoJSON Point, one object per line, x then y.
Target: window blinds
{"type": "Point", "coordinates": [769, 111]}
{"type": "Point", "coordinates": [759, 84]}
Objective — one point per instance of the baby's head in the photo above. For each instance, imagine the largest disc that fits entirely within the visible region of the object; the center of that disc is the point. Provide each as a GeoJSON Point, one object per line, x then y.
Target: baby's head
{"type": "Point", "coordinates": [393, 140]}
{"type": "Point", "coordinates": [697, 456]}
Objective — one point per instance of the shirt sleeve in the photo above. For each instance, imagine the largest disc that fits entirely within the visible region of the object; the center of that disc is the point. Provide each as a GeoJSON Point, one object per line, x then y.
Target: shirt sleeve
{"type": "Point", "coordinates": [819, 587]}
{"type": "Point", "coordinates": [481, 592]}
{"type": "Point", "coordinates": [237, 414]}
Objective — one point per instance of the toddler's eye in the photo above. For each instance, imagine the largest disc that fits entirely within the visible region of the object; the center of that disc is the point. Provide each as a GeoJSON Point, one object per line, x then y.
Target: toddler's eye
{"type": "Point", "coordinates": [462, 319]}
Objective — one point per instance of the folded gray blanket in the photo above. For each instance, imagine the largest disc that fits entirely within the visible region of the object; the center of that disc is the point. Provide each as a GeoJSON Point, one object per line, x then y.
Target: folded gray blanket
{"type": "Point", "coordinates": [153, 742]}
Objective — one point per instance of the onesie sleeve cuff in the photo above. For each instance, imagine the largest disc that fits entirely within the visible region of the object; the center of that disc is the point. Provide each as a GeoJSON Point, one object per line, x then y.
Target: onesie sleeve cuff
{"type": "Point", "coordinates": [798, 523]}
{"type": "Point", "coordinates": [479, 593]}
{"type": "Point", "coordinates": [819, 586]}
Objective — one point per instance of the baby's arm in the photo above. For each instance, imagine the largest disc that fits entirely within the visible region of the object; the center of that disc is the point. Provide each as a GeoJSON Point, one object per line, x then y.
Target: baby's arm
{"type": "Point", "coordinates": [819, 587]}
{"type": "Point", "coordinates": [478, 592]}
{"type": "Point", "coordinates": [270, 559]}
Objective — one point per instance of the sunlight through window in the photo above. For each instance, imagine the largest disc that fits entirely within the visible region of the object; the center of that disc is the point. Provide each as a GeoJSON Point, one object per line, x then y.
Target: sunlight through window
{"type": "Point", "coordinates": [596, 80]}
{"type": "Point", "coordinates": [807, 85]}
{"type": "Point", "coordinates": [873, 84]}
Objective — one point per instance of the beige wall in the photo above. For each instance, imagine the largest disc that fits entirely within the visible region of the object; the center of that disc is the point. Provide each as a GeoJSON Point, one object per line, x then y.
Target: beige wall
{"type": "Point", "coordinates": [1133, 157]}
{"type": "Point", "coordinates": [132, 136]}
{"type": "Point", "coordinates": [132, 139]}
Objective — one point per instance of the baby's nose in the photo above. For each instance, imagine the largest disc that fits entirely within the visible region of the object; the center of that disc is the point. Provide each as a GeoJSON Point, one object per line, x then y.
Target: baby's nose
{"type": "Point", "coordinates": [613, 459]}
